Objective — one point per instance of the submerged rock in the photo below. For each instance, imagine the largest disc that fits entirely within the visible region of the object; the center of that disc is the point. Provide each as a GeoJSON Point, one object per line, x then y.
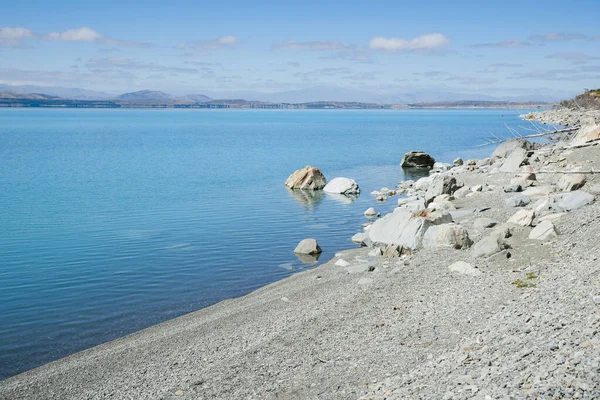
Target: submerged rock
{"type": "Point", "coordinates": [307, 178]}
{"type": "Point", "coordinates": [417, 159]}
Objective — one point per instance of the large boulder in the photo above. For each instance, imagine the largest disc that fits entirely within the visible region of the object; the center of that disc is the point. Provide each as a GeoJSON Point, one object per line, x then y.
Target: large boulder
{"type": "Point", "coordinates": [307, 178]}
{"type": "Point", "coordinates": [417, 159]}
{"type": "Point", "coordinates": [515, 159]}
{"type": "Point", "coordinates": [447, 235]}
{"type": "Point", "coordinates": [574, 200]}
{"type": "Point", "coordinates": [401, 227]}
{"type": "Point", "coordinates": [544, 231]}
{"type": "Point", "coordinates": [492, 244]}
{"type": "Point", "coordinates": [308, 246]}
{"type": "Point", "coordinates": [570, 182]}
{"type": "Point", "coordinates": [344, 186]}
{"type": "Point", "coordinates": [589, 132]}
{"type": "Point", "coordinates": [517, 200]}
{"type": "Point", "coordinates": [441, 184]}
{"type": "Point", "coordinates": [506, 148]}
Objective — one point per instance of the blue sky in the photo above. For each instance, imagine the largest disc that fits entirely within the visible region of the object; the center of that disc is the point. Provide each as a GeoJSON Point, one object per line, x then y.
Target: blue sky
{"type": "Point", "coordinates": [519, 48]}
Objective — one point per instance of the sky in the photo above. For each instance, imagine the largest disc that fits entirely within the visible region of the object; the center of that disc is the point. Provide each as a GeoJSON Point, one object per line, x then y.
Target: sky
{"type": "Point", "coordinates": [519, 48]}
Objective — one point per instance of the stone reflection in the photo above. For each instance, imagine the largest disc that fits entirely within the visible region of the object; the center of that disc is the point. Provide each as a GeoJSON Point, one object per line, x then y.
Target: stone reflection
{"type": "Point", "coordinates": [308, 258]}
{"type": "Point", "coordinates": [343, 198]}
{"type": "Point", "coordinates": [310, 199]}
{"type": "Point", "coordinates": [415, 173]}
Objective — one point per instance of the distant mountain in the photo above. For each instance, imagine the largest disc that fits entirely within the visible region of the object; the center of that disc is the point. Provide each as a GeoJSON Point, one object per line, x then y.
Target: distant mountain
{"type": "Point", "coordinates": [63, 92]}
{"type": "Point", "coordinates": [198, 98]}
{"type": "Point", "coordinates": [146, 95]}
{"type": "Point", "coordinates": [27, 96]}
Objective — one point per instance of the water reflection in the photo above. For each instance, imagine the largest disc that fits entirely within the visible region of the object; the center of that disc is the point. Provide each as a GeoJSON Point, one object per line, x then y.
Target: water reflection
{"type": "Point", "coordinates": [343, 198]}
{"type": "Point", "coordinates": [415, 173]}
{"type": "Point", "coordinates": [310, 199]}
{"type": "Point", "coordinates": [308, 258]}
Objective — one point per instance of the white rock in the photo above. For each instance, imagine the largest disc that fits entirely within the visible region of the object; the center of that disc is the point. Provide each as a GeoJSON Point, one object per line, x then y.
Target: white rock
{"type": "Point", "coordinates": [370, 212]}
{"type": "Point", "coordinates": [464, 268]}
{"type": "Point", "coordinates": [477, 188]}
{"type": "Point", "coordinates": [516, 158]}
{"type": "Point", "coordinates": [483, 223]}
{"type": "Point", "coordinates": [552, 217]}
{"type": "Point", "coordinates": [539, 191]}
{"type": "Point", "coordinates": [400, 227]}
{"type": "Point", "coordinates": [406, 200]}
{"type": "Point", "coordinates": [570, 182]}
{"type": "Point", "coordinates": [544, 231]}
{"type": "Point", "coordinates": [589, 132]}
{"type": "Point", "coordinates": [462, 192]}
{"type": "Point", "coordinates": [414, 206]}
{"type": "Point", "coordinates": [522, 217]}
{"type": "Point", "coordinates": [447, 235]}
{"type": "Point", "coordinates": [342, 186]}
{"type": "Point", "coordinates": [342, 263]}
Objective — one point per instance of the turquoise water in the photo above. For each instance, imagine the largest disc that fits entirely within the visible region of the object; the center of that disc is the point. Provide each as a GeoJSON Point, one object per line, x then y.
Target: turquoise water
{"type": "Point", "coordinates": [115, 220]}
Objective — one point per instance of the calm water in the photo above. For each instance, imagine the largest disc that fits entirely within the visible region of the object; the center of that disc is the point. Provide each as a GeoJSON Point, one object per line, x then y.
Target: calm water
{"type": "Point", "coordinates": [114, 220]}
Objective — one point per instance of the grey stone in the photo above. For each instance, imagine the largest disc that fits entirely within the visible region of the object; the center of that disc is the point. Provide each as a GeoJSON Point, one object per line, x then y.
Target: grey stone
{"type": "Point", "coordinates": [506, 148]}
{"type": "Point", "coordinates": [308, 246]}
{"type": "Point", "coordinates": [447, 235]}
{"type": "Point", "coordinates": [464, 268]}
{"type": "Point", "coordinates": [516, 158]}
{"type": "Point", "coordinates": [417, 159]}
{"type": "Point", "coordinates": [513, 188]}
{"type": "Point", "coordinates": [483, 223]}
{"type": "Point", "coordinates": [458, 162]}
{"type": "Point", "coordinates": [544, 231]}
{"type": "Point", "coordinates": [462, 192]}
{"type": "Point", "coordinates": [342, 263]}
{"type": "Point", "coordinates": [519, 200]}
{"type": "Point", "coordinates": [370, 212]}
{"type": "Point", "coordinates": [574, 200]}
{"type": "Point", "coordinates": [400, 227]}
{"type": "Point", "coordinates": [442, 184]}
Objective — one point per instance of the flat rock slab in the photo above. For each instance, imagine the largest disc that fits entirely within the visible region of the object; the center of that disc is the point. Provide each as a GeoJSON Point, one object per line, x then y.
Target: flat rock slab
{"type": "Point", "coordinates": [464, 268]}
{"type": "Point", "coordinates": [358, 269]}
{"type": "Point", "coordinates": [574, 200]}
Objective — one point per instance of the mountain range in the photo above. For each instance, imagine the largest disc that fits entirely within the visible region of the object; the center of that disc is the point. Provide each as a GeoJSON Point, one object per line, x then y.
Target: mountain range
{"type": "Point", "coordinates": [314, 94]}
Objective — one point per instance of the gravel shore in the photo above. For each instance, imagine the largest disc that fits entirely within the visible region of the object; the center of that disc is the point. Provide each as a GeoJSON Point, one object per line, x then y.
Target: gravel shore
{"type": "Point", "coordinates": [525, 325]}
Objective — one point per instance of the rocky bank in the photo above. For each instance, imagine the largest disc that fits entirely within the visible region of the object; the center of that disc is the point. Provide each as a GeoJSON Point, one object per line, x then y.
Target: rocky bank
{"type": "Point", "coordinates": [483, 284]}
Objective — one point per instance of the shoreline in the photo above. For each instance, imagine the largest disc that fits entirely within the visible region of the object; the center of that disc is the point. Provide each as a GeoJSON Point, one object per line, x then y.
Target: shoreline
{"type": "Point", "coordinates": [347, 332]}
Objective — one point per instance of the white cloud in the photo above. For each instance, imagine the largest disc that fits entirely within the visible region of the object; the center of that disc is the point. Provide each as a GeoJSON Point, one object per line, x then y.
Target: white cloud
{"type": "Point", "coordinates": [424, 42]}
{"type": "Point", "coordinates": [83, 34]}
{"type": "Point", "coordinates": [319, 45]}
{"type": "Point", "coordinates": [14, 36]}
{"type": "Point", "coordinates": [557, 37]}
{"type": "Point", "coordinates": [575, 58]}
{"type": "Point", "coordinates": [219, 43]}
{"type": "Point", "coordinates": [504, 43]}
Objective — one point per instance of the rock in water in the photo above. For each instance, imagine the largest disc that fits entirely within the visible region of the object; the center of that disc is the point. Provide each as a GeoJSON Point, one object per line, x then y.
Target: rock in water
{"type": "Point", "coordinates": [544, 231]}
{"type": "Point", "coordinates": [308, 246]}
{"type": "Point", "coordinates": [417, 159]}
{"type": "Point", "coordinates": [370, 212]}
{"type": "Point", "coordinates": [342, 186]}
{"type": "Point", "coordinates": [307, 178]}
{"type": "Point", "coordinates": [464, 268]}
{"type": "Point", "coordinates": [568, 183]}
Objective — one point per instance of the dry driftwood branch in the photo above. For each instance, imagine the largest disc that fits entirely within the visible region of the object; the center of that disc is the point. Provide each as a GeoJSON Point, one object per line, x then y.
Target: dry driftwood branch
{"type": "Point", "coordinates": [531, 136]}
